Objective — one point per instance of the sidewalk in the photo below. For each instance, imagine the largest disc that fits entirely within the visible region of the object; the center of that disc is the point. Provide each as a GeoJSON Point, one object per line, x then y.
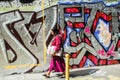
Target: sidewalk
{"type": "Point", "coordinates": [110, 72]}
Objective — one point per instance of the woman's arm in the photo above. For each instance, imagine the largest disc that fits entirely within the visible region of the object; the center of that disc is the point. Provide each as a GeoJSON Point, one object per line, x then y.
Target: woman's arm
{"type": "Point", "coordinates": [58, 43]}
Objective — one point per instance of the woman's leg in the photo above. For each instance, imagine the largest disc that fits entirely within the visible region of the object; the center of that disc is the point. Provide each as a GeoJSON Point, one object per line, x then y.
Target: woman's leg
{"type": "Point", "coordinates": [50, 67]}
{"type": "Point", "coordinates": [48, 73]}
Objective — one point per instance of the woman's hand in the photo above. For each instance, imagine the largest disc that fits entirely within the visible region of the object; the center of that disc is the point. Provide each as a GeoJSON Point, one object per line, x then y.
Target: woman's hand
{"type": "Point", "coordinates": [54, 54]}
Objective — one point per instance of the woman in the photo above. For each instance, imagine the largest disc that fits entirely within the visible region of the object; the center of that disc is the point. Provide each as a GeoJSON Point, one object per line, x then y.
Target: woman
{"type": "Point", "coordinates": [57, 62]}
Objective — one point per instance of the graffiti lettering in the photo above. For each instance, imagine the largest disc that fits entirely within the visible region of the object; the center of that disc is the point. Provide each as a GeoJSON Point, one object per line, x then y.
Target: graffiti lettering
{"type": "Point", "coordinates": [95, 33]}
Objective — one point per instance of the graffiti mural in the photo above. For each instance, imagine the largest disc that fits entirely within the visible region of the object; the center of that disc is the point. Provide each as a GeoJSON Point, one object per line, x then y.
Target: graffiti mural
{"type": "Point", "coordinates": [91, 34]}
{"type": "Point", "coordinates": [21, 40]}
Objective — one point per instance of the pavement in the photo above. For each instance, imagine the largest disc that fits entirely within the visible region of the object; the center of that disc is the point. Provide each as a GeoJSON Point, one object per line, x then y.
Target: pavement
{"type": "Point", "coordinates": [109, 72]}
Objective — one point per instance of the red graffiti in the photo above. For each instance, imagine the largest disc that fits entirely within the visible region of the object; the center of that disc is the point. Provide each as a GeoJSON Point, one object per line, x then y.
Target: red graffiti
{"type": "Point", "coordinates": [79, 25]}
{"type": "Point", "coordinates": [87, 30]}
{"type": "Point", "coordinates": [102, 52]}
{"type": "Point", "coordinates": [83, 61]}
{"type": "Point", "coordinates": [93, 59]}
{"type": "Point", "coordinates": [111, 51]}
{"type": "Point", "coordinates": [113, 62]}
{"type": "Point", "coordinates": [103, 62]}
{"type": "Point", "coordinates": [87, 11]}
{"type": "Point", "coordinates": [70, 24]}
{"type": "Point", "coordinates": [72, 10]}
{"type": "Point", "coordinates": [100, 15]}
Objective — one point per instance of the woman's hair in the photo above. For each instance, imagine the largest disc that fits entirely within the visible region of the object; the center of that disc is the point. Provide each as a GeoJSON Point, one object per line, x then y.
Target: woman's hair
{"type": "Point", "coordinates": [56, 31]}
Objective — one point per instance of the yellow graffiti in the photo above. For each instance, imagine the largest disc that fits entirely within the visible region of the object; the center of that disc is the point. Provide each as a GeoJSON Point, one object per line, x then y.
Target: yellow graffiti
{"type": "Point", "coordinates": [21, 66]}
{"type": "Point", "coordinates": [11, 67]}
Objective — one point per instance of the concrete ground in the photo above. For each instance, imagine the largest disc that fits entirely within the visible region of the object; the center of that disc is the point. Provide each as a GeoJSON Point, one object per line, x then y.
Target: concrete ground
{"type": "Point", "coordinates": [111, 72]}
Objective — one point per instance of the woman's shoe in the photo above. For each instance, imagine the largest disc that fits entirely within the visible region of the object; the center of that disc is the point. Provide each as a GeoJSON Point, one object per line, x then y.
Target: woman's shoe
{"type": "Point", "coordinates": [63, 76]}
{"type": "Point", "coordinates": [58, 75]}
{"type": "Point", "coordinates": [46, 76]}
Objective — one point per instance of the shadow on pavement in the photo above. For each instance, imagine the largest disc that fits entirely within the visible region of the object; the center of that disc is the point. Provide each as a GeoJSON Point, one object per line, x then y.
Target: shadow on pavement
{"type": "Point", "coordinates": [82, 72]}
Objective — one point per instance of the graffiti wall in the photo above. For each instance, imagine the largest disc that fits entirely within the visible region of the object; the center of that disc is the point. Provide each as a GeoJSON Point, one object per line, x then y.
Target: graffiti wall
{"type": "Point", "coordinates": [90, 30]}
{"type": "Point", "coordinates": [91, 33]}
{"type": "Point", "coordinates": [22, 38]}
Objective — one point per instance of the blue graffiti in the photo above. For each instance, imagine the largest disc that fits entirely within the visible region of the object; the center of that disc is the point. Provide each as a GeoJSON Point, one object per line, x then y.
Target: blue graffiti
{"type": "Point", "coordinates": [106, 2]}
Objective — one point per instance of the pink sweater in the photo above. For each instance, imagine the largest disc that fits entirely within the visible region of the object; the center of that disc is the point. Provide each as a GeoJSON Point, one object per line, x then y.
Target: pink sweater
{"type": "Point", "coordinates": [57, 41]}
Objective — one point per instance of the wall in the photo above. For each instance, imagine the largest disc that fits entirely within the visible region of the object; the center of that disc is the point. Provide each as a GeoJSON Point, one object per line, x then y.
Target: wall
{"type": "Point", "coordinates": [22, 38]}
{"type": "Point", "coordinates": [91, 34]}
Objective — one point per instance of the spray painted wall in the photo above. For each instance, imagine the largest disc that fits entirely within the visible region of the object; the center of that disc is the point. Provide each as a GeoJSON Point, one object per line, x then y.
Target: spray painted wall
{"type": "Point", "coordinates": [22, 40]}
{"type": "Point", "coordinates": [91, 34]}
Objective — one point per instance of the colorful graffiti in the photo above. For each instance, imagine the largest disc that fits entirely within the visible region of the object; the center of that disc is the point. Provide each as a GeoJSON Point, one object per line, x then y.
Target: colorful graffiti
{"type": "Point", "coordinates": [91, 34]}
{"type": "Point", "coordinates": [96, 39]}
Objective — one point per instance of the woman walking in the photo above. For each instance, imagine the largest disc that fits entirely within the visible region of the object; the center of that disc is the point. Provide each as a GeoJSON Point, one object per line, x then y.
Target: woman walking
{"type": "Point", "coordinates": [57, 63]}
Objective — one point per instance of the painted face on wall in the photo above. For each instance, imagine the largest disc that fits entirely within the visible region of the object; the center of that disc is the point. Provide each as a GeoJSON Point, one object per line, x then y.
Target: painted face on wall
{"type": "Point", "coordinates": [103, 34]}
